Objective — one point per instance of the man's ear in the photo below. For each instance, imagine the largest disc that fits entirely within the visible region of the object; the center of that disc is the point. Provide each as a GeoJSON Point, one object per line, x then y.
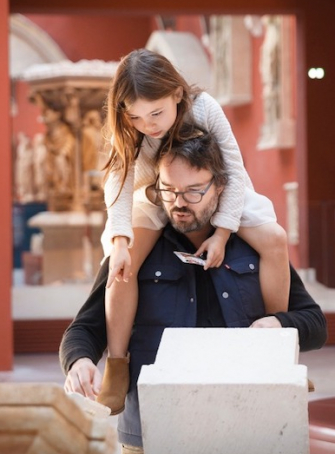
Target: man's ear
{"type": "Point", "coordinates": [152, 195]}
{"type": "Point", "coordinates": [178, 94]}
{"type": "Point", "coordinates": [220, 189]}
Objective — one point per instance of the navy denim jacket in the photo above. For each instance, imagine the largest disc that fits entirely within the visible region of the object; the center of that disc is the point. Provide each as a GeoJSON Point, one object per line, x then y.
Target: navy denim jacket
{"type": "Point", "coordinates": [167, 298]}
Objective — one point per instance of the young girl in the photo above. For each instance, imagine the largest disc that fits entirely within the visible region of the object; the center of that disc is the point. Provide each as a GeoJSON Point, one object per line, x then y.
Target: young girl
{"type": "Point", "coordinates": [148, 103]}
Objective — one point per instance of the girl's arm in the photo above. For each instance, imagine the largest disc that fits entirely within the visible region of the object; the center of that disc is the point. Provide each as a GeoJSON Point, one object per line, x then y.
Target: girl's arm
{"type": "Point", "coordinates": [215, 246]}
{"type": "Point", "coordinates": [119, 214]}
{"type": "Point", "coordinates": [209, 115]}
{"type": "Point", "coordinates": [118, 234]}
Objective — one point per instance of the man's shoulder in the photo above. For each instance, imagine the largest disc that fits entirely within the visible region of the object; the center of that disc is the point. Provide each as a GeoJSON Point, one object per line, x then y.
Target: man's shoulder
{"type": "Point", "coordinates": [236, 247]}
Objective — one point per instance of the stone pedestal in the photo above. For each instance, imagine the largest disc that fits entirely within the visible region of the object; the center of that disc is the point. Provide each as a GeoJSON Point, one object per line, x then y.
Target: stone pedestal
{"type": "Point", "coordinates": [32, 266]}
{"type": "Point", "coordinates": [38, 418]}
{"type": "Point", "coordinates": [225, 391]}
{"type": "Point", "coordinates": [71, 246]}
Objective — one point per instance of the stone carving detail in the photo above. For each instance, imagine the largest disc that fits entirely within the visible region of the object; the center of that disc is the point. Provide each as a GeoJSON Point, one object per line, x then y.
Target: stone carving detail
{"type": "Point", "coordinates": [220, 39]}
{"type": "Point", "coordinates": [230, 48]}
{"type": "Point", "coordinates": [92, 155]}
{"type": "Point", "coordinates": [292, 212]}
{"type": "Point", "coordinates": [270, 75]}
{"type": "Point", "coordinates": [41, 170]}
{"type": "Point", "coordinates": [71, 97]}
{"type": "Point", "coordinates": [40, 418]}
{"type": "Point", "coordinates": [60, 143]}
{"type": "Point", "coordinates": [24, 169]}
{"type": "Point", "coordinates": [278, 130]}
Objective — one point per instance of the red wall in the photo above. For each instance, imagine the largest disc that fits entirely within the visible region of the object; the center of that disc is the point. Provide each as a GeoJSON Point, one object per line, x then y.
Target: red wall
{"type": "Point", "coordinates": [321, 143]}
{"type": "Point", "coordinates": [95, 37]}
{"type": "Point", "coordinates": [6, 325]}
{"type": "Point", "coordinates": [80, 37]}
{"type": "Point", "coordinates": [27, 116]}
{"type": "Point", "coordinates": [268, 169]}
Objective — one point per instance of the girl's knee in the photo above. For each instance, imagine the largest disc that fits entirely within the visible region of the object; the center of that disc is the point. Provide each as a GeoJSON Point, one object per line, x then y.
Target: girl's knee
{"type": "Point", "coordinates": [275, 240]}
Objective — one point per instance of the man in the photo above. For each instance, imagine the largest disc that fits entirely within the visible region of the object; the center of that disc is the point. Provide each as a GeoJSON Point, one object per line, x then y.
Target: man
{"type": "Point", "coordinates": [175, 294]}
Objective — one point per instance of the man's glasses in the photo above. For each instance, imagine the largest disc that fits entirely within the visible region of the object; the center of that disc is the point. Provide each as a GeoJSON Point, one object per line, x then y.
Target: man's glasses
{"type": "Point", "coordinates": [189, 196]}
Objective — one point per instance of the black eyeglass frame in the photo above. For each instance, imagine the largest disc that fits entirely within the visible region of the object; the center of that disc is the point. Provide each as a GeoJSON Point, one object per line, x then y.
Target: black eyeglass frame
{"type": "Point", "coordinates": [201, 193]}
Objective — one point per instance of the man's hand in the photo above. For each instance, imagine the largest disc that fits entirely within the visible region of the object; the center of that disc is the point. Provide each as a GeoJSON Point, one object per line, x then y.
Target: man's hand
{"type": "Point", "coordinates": [266, 322]}
{"type": "Point", "coordinates": [215, 246]}
{"type": "Point", "coordinates": [84, 378]}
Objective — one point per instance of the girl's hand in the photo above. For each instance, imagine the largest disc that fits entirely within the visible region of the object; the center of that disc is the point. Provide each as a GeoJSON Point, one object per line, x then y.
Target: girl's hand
{"type": "Point", "coordinates": [215, 246]}
{"type": "Point", "coordinates": [119, 262]}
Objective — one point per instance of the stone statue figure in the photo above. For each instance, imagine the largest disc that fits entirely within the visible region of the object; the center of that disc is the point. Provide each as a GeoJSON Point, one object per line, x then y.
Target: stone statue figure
{"type": "Point", "coordinates": [91, 144]}
{"type": "Point", "coordinates": [220, 44]}
{"type": "Point", "coordinates": [270, 75]}
{"type": "Point", "coordinates": [60, 143]}
{"type": "Point", "coordinates": [40, 167]}
{"type": "Point", "coordinates": [72, 113]}
{"type": "Point", "coordinates": [91, 140]}
{"type": "Point", "coordinates": [24, 169]}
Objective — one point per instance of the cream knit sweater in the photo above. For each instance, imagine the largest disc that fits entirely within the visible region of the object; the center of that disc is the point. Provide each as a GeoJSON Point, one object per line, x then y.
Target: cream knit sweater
{"type": "Point", "coordinates": [132, 209]}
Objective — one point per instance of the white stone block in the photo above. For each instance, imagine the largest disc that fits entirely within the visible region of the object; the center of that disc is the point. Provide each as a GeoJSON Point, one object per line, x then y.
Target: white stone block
{"type": "Point", "coordinates": [225, 391]}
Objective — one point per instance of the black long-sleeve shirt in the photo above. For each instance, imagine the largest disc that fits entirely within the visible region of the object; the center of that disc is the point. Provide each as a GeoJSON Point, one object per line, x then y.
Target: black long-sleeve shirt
{"type": "Point", "coordinates": [86, 336]}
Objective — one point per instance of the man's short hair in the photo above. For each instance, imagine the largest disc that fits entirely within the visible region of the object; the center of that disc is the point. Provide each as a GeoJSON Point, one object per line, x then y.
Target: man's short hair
{"type": "Point", "coordinates": [200, 150]}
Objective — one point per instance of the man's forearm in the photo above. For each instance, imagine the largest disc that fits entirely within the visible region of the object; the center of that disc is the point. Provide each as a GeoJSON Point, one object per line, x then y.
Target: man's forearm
{"type": "Point", "coordinates": [78, 343]}
{"type": "Point", "coordinates": [305, 315]}
{"type": "Point", "coordinates": [86, 336]}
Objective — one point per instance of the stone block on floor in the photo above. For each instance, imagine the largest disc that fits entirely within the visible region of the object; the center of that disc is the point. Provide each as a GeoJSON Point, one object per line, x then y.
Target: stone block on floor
{"type": "Point", "coordinates": [39, 418]}
{"type": "Point", "coordinates": [225, 391]}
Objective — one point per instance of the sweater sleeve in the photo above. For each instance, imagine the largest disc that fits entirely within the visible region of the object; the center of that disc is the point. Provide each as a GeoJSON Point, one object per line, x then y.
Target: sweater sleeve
{"type": "Point", "coordinates": [119, 214]}
{"type": "Point", "coordinates": [86, 336]}
{"type": "Point", "coordinates": [305, 315]}
{"type": "Point", "coordinates": [209, 115]}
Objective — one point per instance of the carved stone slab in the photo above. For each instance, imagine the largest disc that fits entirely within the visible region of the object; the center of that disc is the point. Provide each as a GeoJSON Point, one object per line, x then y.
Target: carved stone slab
{"type": "Point", "coordinates": [39, 418]}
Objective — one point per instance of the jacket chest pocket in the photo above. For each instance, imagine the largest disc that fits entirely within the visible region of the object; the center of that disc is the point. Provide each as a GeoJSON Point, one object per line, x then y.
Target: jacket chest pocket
{"type": "Point", "coordinates": [242, 299]}
{"type": "Point", "coordinates": [160, 289]}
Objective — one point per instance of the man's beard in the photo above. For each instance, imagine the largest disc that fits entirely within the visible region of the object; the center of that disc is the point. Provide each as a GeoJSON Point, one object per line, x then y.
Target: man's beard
{"type": "Point", "coordinates": [197, 222]}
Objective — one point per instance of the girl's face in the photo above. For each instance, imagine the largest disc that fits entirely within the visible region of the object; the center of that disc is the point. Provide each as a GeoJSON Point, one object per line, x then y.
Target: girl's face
{"type": "Point", "coordinates": [154, 118]}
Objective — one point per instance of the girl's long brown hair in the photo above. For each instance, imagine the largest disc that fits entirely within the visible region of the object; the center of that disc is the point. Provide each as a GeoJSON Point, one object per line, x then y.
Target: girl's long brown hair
{"type": "Point", "coordinates": [142, 74]}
